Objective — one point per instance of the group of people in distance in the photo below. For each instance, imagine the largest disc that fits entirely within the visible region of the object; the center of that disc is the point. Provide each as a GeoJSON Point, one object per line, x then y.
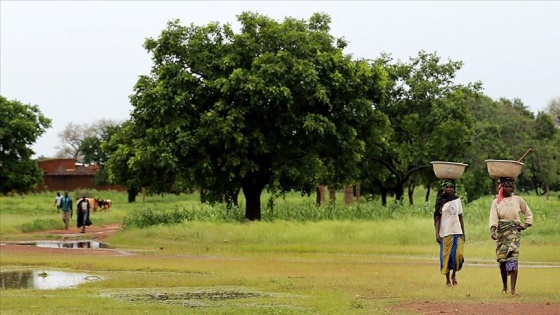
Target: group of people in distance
{"type": "Point", "coordinates": [64, 204]}
{"type": "Point", "coordinates": [505, 228]}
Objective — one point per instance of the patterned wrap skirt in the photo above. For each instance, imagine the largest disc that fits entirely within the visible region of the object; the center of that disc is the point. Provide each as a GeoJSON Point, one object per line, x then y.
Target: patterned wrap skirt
{"type": "Point", "coordinates": [451, 253]}
{"type": "Point", "coordinates": [508, 244]}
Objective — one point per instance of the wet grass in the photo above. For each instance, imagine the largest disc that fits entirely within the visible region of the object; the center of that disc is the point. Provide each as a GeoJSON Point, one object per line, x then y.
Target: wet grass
{"type": "Point", "coordinates": [279, 266]}
{"type": "Point", "coordinates": [281, 283]}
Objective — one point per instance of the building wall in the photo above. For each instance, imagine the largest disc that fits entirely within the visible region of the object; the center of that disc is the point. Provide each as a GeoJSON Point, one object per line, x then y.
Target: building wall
{"type": "Point", "coordinates": [63, 174]}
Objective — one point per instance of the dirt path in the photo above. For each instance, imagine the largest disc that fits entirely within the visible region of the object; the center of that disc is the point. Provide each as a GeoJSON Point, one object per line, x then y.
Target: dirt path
{"type": "Point", "coordinates": [507, 307]}
{"type": "Point", "coordinates": [510, 306]}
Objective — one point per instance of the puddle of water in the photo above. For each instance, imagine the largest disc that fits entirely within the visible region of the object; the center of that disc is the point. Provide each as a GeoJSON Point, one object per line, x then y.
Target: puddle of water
{"type": "Point", "coordinates": [43, 279]}
{"type": "Point", "coordinates": [67, 244]}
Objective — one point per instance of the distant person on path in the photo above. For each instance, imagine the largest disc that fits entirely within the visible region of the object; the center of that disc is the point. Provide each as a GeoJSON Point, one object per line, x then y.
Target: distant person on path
{"type": "Point", "coordinates": [505, 226]}
{"type": "Point", "coordinates": [57, 200]}
{"type": "Point", "coordinates": [66, 207]}
{"type": "Point", "coordinates": [83, 214]}
{"type": "Point", "coordinates": [450, 231]}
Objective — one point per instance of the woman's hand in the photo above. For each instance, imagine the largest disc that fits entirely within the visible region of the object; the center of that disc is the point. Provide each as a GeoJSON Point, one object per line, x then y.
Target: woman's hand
{"type": "Point", "coordinates": [438, 239]}
{"type": "Point", "coordinates": [494, 235]}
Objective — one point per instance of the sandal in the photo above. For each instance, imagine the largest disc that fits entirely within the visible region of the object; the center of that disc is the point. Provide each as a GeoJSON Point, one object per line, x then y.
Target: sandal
{"type": "Point", "coordinates": [504, 291]}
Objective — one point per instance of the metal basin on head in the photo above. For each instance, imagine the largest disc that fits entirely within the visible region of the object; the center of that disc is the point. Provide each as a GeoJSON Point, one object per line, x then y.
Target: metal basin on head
{"type": "Point", "coordinates": [448, 170]}
{"type": "Point", "coordinates": [503, 168]}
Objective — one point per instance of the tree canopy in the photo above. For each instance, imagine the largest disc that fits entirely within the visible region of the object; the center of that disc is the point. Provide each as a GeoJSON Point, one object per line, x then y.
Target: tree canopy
{"type": "Point", "coordinates": [277, 105]}
{"type": "Point", "coordinates": [20, 126]}
{"type": "Point", "coordinates": [280, 106]}
{"type": "Point", "coordinates": [429, 117]}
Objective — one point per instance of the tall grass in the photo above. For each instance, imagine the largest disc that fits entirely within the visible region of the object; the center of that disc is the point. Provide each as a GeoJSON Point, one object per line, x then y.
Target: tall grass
{"type": "Point", "coordinates": [301, 209]}
{"type": "Point", "coordinates": [302, 213]}
{"type": "Point", "coordinates": [35, 212]}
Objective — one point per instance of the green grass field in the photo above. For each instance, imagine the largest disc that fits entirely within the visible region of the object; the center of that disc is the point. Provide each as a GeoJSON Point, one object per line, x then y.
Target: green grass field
{"type": "Point", "coordinates": [366, 261]}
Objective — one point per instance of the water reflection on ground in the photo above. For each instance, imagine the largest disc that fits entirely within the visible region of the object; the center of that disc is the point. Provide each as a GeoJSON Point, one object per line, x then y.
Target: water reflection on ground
{"type": "Point", "coordinates": [43, 279]}
{"type": "Point", "coordinates": [66, 244]}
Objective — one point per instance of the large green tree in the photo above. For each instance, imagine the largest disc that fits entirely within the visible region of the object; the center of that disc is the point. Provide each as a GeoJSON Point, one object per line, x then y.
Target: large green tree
{"type": "Point", "coordinates": [486, 143]}
{"type": "Point", "coordinates": [20, 126]}
{"type": "Point", "coordinates": [504, 129]}
{"type": "Point", "coordinates": [429, 116]}
{"type": "Point", "coordinates": [277, 105]}
{"type": "Point", "coordinates": [120, 151]}
{"type": "Point", "coordinates": [544, 164]}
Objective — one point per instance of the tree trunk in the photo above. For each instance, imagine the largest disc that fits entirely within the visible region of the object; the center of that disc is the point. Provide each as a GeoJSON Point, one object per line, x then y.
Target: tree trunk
{"type": "Point", "coordinates": [399, 192]}
{"type": "Point", "coordinates": [321, 194]}
{"type": "Point", "coordinates": [411, 193]}
{"type": "Point", "coordinates": [348, 195]}
{"type": "Point", "coordinates": [132, 192]}
{"type": "Point", "coordinates": [358, 192]}
{"type": "Point", "coordinates": [252, 189]}
{"type": "Point", "coordinates": [383, 196]}
{"type": "Point", "coordinates": [332, 194]}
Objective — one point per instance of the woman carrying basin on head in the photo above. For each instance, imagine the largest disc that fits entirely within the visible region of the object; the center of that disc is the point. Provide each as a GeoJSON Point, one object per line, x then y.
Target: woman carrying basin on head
{"type": "Point", "coordinates": [505, 227]}
{"type": "Point", "coordinates": [450, 231]}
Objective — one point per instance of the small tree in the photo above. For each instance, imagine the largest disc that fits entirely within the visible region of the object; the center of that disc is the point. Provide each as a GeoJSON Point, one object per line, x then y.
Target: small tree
{"type": "Point", "coordinates": [82, 141]}
{"type": "Point", "coordinates": [20, 126]}
{"type": "Point", "coordinates": [71, 138]}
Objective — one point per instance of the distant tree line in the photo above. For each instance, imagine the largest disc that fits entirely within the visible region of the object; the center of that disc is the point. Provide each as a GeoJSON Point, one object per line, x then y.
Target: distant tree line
{"type": "Point", "coordinates": [278, 106]}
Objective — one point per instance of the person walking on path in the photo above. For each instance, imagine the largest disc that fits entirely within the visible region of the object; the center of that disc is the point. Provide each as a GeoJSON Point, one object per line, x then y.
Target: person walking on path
{"type": "Point", "coordinates": [66, 207]}
{"type": "Point", "coordinates": [83, 214]}
{"type": "Point", "coordinates": [57, 201]}
{"type": "Point", "coordinates": [505, 228]}
{"type": "Point", "coordinates": [450, 231]}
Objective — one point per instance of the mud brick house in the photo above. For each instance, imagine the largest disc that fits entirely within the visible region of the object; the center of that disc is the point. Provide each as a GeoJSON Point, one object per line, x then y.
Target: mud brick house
{"type": "Point", "coordinates": [67, 174]}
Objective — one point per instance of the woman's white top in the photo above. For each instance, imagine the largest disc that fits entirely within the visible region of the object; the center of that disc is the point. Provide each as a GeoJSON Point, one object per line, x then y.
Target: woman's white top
{"type": "Point", "coordinates": [450, 223]}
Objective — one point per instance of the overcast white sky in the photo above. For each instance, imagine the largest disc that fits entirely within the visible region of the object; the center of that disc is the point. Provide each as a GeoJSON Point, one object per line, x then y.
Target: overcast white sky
{"type": "Point", "coordinates": [79, 60]}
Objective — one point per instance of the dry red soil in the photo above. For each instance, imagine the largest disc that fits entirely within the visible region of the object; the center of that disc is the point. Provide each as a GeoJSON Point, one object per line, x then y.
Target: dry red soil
{"type": "Point", "coordinates": [512, 307]}
{"type": "Point", "coordinates": [506, 308]}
